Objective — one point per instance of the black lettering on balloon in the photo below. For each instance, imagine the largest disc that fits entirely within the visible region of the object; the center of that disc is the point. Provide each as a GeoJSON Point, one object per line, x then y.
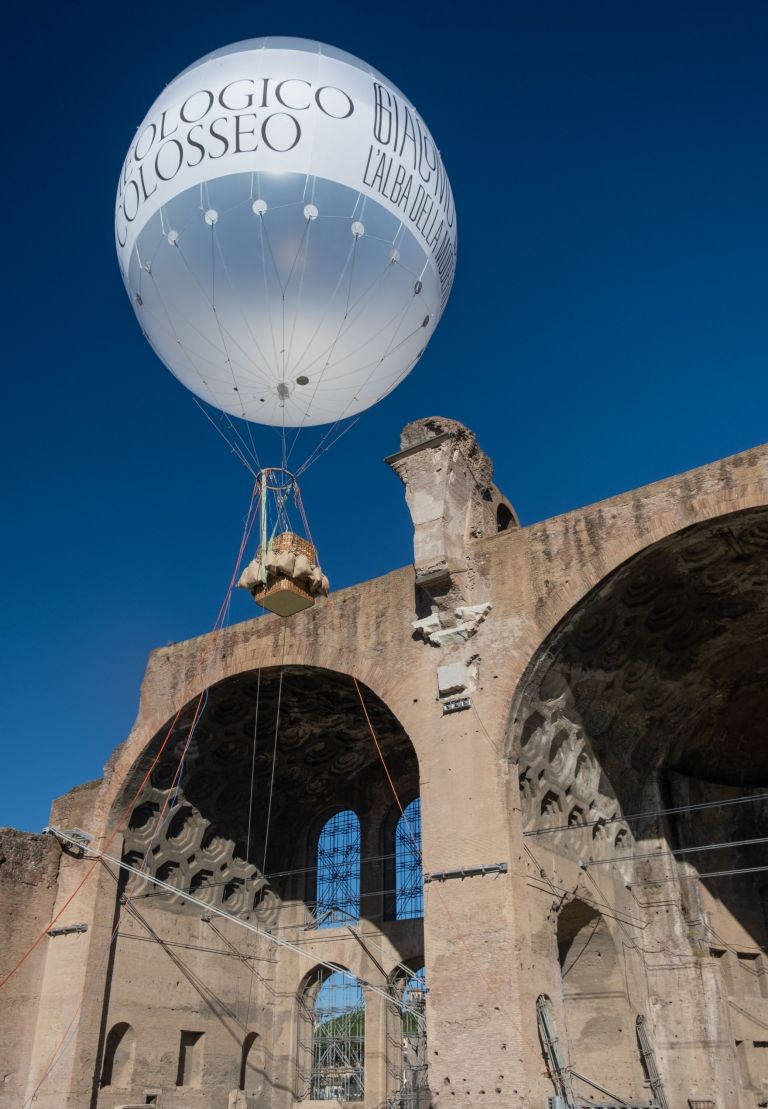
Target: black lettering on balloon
{"type": "Point", "coordinates": [163, 133]}
{"type": "Point", "coordinates": [218, 135]}
{"type": "Point", "coordinates": [209, 104]}
{"type": "Point", "coordinates": [382, 115]}
{"type": "Point", "coordinates": [266, 129]}
{"type": "Point", "coordinates": [196, 145]}
{"type": "Point", "coordinates": [124, 240]}
{"type": "Point", "coordinates": [319, 98]}
{"type": "Point", "coordinates": [236, 107]}
{"type": "Point", "coordinates": [418, 204]}
{"type": "Point", "coordinates": [179, 160]}
{"type": "Point", "coordinates": [137, 199]}
{"type": "Point", "coordinates": [397, 185]}
{"type": "Point", "coordinates": [281, 100]}
{"type": "Point", "coordinates": [408, 135]}
{"type": "Point", "coordinates": [240, 132]}
{"type": "Point", "coordinates": [152, 131]}
{"type": "Point", "coordinates": [147, 195]}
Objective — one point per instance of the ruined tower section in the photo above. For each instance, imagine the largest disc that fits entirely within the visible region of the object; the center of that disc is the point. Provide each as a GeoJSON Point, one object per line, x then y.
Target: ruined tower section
{"type": "Point", "coordinates": [450, 493]}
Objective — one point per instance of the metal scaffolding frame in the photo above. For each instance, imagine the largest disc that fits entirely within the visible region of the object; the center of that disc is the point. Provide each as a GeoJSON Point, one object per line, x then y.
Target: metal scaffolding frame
{"type": "Point", "coordinates": [408, 1055]}
{"type": "Point", "coordinates": [338, 871]}
{"type": "Point", "coordinates": [409, 879]}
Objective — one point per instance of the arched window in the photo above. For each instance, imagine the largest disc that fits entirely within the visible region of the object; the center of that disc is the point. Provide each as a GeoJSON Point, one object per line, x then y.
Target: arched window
{"type": "Point", "coordinates": [503, 518]}
{"type": "Point", "coordinates": [409, 878]}
{"type": "Point", "coordinates": [251, 1064]}
{"type": "Point", "coordinates": [338, 871]}
{"type": "Point", "coordinates": [599, 1023]}
{"type": "Point", "coordinates": [334, 1005]}
{"type": "Point", "coordinates": [119, 1051]}
{"type": "Point", "coordinates": [407, 1040]}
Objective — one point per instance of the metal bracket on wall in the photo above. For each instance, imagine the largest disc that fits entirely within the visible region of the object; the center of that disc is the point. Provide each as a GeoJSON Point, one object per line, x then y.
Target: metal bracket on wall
{"type": "Point", "coordinates": [66, 929]}
{"type": "Point", "coordinates": [466, 872]}
{"type": "Point", "coordinates": [456, 705]}
{"type": "Point", "coordinates": [82, 840]}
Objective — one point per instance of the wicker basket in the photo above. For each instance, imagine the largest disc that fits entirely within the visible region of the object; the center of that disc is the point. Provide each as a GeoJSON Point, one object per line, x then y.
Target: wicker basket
{"type": "Point", "coordinates": [284, 598]}
{"type": "Point", "coordinates": [287, 542]}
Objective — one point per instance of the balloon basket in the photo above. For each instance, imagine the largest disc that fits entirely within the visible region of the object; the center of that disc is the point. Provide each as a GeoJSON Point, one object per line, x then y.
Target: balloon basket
{"type": "Point", "coordinates": [284, 598]}
{"type": "Point", "coordinates": [285, 576]}
{"type": "Point", "coordinates": [288, 542]}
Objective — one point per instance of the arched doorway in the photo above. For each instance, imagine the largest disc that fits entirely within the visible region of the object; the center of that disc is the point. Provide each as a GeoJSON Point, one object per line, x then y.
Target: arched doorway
{"type": "Point", "coordinates": [650, 697]}
{"type": "Point", "coordinates": [256, 809]}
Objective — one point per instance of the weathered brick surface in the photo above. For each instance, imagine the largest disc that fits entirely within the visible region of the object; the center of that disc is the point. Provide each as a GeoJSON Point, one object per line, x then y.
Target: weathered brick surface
{"type": "Point", "coordinates": [490, 943]}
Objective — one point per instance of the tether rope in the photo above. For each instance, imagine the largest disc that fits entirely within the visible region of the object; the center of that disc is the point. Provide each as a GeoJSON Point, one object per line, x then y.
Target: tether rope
{"type": "Point", "coordinates": [211, 647]}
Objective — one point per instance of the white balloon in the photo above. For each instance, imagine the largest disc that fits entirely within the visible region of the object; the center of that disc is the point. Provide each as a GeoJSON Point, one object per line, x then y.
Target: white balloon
{"type": "Point", "coordinates": [286, 232]}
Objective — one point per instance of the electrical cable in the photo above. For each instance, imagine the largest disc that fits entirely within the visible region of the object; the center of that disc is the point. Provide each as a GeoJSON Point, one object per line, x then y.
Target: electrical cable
{"type": "Point", "coordinates": [648, 815]}
{"type": "Point", "coordinates": [101, 855]}
{"type": "Point", "coordinates": [248, 925]}
{"type": "Point", "coordinates": [678, 851]}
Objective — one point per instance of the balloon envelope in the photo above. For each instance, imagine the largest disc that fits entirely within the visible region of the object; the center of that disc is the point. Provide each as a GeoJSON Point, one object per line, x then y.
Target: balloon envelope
{"type": "Point", "coordinates": [286, 232]}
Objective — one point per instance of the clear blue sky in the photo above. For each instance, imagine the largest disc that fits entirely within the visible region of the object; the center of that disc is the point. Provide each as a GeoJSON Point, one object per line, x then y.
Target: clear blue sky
{"type": "Point", "coordinates": [607, 326]}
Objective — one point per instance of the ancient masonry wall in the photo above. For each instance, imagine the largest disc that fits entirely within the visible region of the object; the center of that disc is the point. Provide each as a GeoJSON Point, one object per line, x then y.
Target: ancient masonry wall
{"type": "Point", "coordinates": [448, 646]}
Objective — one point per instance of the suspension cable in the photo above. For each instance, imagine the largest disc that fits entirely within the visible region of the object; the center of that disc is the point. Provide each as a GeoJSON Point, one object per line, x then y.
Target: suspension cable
{"type": "Point", "coordinates": [647, 815]}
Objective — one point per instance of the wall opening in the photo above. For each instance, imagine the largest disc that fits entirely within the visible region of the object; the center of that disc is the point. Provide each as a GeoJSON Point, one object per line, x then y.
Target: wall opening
{"type": "Point", "coordinates": [333, 1012]}
{"type": "Point", "coordinates": [251, 1063]}
{"type": "Point", "coordinates": [338, 871]}
{"type": "Point", "coordinates": [504, 518]}
{"type": "Point", "coordinates": [409, 877]}
{"type": "Point", "coordinates": [599, 1023]}
{"type": "Point", "coordinates": [119, 1053]}
{"type": "Point", "coordinates": [190, 1069]}
{"type": "Point", "coordinates": [407, 1039]}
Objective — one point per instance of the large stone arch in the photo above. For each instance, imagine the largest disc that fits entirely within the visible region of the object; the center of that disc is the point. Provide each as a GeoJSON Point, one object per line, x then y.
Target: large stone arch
{"type": "Point", "coordinates": [688, 614]}
{"type": "Point", "coordinates": [651, 694]}
{"type": "Point", "coordinates": [178, 674]}
{"type": "Point", "coordinates": [592, 543]}
{"type": "Point", "coordinates": [274, 750]}
{"type": "Point", "coordinates": [237, 827]}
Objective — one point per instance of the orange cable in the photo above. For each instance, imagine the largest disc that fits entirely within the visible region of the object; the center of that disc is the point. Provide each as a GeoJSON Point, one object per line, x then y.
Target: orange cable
{"type": "Point", "coordinates": [248, 527]}
{"type": "Point", "coordinates": [129, 807]}
{"type": "Point", "coordinates": [440, 893]}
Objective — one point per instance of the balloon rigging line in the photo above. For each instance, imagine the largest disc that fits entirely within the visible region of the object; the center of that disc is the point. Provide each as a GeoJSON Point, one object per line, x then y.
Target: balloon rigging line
{"type": "Point", "coordinates": [348, 321]}
{"type": "Point", "coordinates": [126, 812]}
{"type": "Point", "coordinates": [243, 313]}
{"type": "Point", "coordinates": [351, 262]}
{"type": "Point", "coordinates": [214, 243]}
{"type": "Point", "coordinates": [253, 767]}
{"type": "Point", "coordinates": [374, 335]}
{"type": "Point", "coordinates": [205, 338]}
{"type": "Point", "coordinates": [232, 446]}
{"type": "Point", "coordinates": [87, 994]}
{"type": "Point", "coordinates": [648, 815]}
{"type": "Point", "coordinates": [249, 926]}
{"type": "Point", "coordinates": [364, 383]}
{"type": "Point", "coordinates": [221, 332]}
{"type": "Point", "coordinates": [298, 297]}
{"type": "Point", "coordinates": [209, 302]}
{"type": "Point", "coordinates": [192, 355]}
{"type": "Point", "coordinates": [267, 298]}
{"type": "Point", "coordinates": [198, 284]}
{"type": "Point", "coordinates": [313, 457]}
{"type": "Point", "coordinates": [337, 286]}
{"type": "Point", "coordinates": [274, 752]}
